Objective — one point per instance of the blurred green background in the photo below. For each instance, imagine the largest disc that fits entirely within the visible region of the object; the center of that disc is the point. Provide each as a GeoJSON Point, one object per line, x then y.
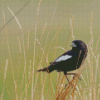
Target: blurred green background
{"type": "Point", "coordinates": [80, 10]}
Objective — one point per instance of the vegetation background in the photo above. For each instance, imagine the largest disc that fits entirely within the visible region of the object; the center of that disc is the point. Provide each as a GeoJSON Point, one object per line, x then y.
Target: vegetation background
{"type": "Point", "coordinates": [33, 33]}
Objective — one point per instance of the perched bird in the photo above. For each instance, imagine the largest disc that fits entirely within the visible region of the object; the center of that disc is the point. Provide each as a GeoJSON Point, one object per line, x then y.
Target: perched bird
{"type": "Point", "coordinates": [70, 60]}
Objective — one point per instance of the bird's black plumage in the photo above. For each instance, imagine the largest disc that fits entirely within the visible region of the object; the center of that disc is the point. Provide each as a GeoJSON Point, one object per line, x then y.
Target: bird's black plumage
{"type": "Point", "coordinates": [70, 60]}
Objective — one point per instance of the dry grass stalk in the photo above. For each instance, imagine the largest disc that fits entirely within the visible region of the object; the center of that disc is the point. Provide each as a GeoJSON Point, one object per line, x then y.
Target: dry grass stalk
{"type": "Point", "coordinates": [51, 84]}
{"type": "Point", "coordinates": [29, 72]}
{"type": "Point", "coordinates": [98, 92]}
{"type": "Point", "coordinates": [19, 43]}
{"type": "Point", "coordinates": [34, 62]}
{"type": "Point", "coordinates": [16, 93]}
{"type": "Point", "coordinates": [33, 89]}
{"type": "Point", "coordinates": [97, 44]}
{"type": "Point", "coordinates": [8, 44]}
{"type": "Point", "coordinates": [43, 31]}
{"type": "Point", "coordinates": [40, 46]}
{"type": "Point", "coordinates": [28, 40]}
{"type": "Point", "coordinates": [38, 9]}
{"type": "Point", "coordinates": [2, 94]}
{"type": "Point", "coordinates": [91, 68]}
{"type": "Point", "coordinates": [43, 83]}
{"type": "Point", "coordinates": [15, 18]}
{"type": "Point", "coordinates": [45, 46]}
{"type": "Point", "coordinates": [23, 46]}
{"type": "Point", "coordinates": [9, 52]}
{"type": "Point", "coordinates": [67, 41]}
{"type": "Point", "coordinates": [71, 86]}
{"type": "Point", "coordinates": [83, 80]}
{"type": "Point", "coordinates": [56, 35]}
{"type": "Point", "coordinates": [5, 74]}
{"type": "Point", "coordinates": [28, 84]}
{"type": "Point", "coordinates": [79, 92]}
{"type": "Point", "coordinates": [43, 54]}
{"type": "Point", "coordinates": [42, 94]}
{"type": "Point", "coordinates": [56, 40]}
{"type": "Point", "coordinates": [71, 26]}
{"type": "Point", "coordinates": [50, 25]}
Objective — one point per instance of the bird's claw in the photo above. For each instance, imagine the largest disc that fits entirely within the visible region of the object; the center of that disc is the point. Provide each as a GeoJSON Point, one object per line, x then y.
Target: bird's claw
{"type": "Point", "coordinates": [79, 77]}
{"type": "Point", "coordinates": [65, 85]}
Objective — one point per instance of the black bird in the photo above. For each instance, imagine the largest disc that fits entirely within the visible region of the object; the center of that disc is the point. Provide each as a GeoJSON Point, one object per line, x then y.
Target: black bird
{"type": "Point", "coordinates": [70, 60]}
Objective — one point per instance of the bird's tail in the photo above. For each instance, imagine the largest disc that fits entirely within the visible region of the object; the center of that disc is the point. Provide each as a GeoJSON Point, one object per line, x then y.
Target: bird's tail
{"type": "Point", "coordinates": [47, 69]}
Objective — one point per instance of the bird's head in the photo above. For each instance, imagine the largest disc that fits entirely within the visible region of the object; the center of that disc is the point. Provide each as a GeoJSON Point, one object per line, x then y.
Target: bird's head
{"type": "Point", "coordinates": [79, 45]}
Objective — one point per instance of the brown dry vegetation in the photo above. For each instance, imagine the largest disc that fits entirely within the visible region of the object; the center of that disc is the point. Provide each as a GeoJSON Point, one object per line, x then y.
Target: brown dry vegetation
{"type": "Point", "coordinates": [34, 85]}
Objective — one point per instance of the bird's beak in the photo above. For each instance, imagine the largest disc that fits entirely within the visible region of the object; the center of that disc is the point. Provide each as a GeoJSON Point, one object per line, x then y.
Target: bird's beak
{"type": "Point", "coordinates": [73, 45]}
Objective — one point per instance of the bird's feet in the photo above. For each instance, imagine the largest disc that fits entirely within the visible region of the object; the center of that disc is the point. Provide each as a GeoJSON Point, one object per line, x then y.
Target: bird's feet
{"type": "Point", "coordinates": [79, 77]}
{"type": "Point", "coordinates": [65, 85]}
{"type": "Point", "coordinates": [71, 86]}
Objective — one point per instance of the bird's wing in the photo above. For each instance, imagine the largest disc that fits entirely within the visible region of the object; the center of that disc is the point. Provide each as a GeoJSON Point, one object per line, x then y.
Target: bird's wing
{"type": "Point", "coordinates": [67, 55]}
{"type": "Point", "coordinates": [63, 58]}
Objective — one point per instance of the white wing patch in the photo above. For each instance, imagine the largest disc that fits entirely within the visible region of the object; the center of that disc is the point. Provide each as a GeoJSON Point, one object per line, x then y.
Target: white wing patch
{"type": "Point", "coordinates": [62, 58]}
